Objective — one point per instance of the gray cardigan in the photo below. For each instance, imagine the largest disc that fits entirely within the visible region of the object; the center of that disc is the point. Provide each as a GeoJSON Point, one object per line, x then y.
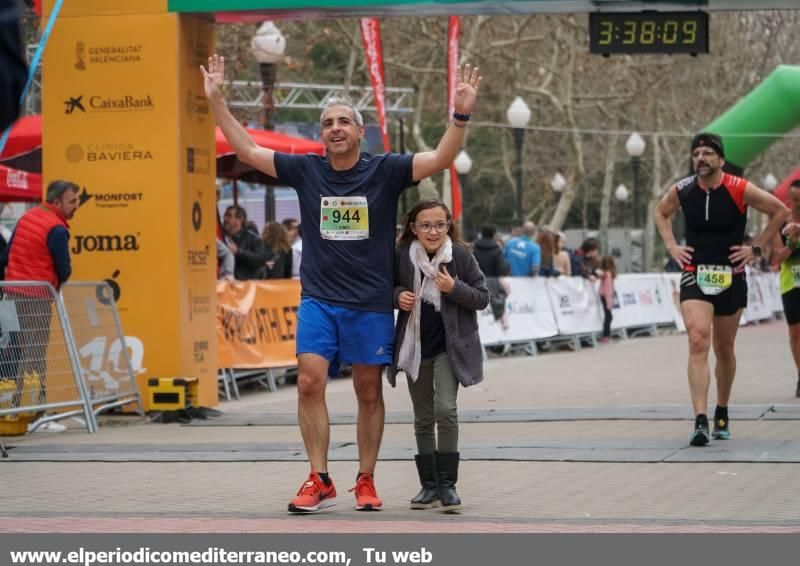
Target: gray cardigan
{"type": "Point", "coordinates": [458, 312]}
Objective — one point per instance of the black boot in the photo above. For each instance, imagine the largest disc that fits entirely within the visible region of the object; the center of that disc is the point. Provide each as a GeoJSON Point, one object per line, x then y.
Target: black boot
{"type": "Point", "coordinates": [447, 473]}
{"type": "Point", "coordinates": [428, 496]}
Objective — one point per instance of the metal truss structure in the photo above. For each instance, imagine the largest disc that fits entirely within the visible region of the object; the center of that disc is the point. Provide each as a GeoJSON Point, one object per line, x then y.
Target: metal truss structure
{"type": "Point", "coordinates": [249, 95]}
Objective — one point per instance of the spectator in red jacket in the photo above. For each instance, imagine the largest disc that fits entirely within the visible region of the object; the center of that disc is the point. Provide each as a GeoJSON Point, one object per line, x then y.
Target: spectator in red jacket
{"type": "Point", "coordinates": [38, 251]}
{"type": "Point", "coordinates": [39, 246]}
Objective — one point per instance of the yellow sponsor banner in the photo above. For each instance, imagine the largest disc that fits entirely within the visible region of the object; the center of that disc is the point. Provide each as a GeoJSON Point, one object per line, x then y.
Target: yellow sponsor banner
{"type": "Point", "coordinates": [257, 323]}
{"type": "Point", "coordinates": [106, 7]}
{"type": "Point", "coordinates": [197, 210]}
{"type": "Point", "coordinates": [112, 123]}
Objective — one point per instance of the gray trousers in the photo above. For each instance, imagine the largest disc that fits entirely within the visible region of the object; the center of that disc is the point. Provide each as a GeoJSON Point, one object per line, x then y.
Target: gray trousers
{"type": "Point", "coordinates": [433, 396]}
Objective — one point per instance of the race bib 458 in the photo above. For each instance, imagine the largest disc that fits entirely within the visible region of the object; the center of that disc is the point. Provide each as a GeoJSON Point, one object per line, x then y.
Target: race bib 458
{"type": "Point", "coordinates": [714, 279]}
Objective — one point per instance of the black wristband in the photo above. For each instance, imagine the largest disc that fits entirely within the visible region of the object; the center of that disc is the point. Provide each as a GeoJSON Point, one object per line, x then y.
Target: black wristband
{"type": "Point", "coordinates": [461, 117]}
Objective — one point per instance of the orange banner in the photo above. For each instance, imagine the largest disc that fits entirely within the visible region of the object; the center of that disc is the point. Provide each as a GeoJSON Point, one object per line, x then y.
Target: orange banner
{"type": "Point", "coordinates": [257, 323]}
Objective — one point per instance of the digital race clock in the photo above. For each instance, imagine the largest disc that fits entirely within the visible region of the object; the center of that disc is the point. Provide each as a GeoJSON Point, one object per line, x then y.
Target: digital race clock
{"type": "Point", "coordinates": [648, 32]}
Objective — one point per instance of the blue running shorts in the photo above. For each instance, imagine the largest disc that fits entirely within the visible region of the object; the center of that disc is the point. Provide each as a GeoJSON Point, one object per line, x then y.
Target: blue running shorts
{"type": "Point", "coordinates": [343, 335]}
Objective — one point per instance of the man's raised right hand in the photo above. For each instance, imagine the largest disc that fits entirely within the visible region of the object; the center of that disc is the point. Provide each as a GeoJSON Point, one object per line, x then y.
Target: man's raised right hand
{"type": "Point", "coordinates": [214, 76]}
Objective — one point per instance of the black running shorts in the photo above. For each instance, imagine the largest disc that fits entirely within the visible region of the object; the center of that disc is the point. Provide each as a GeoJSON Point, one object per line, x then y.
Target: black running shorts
{"type": "Point", "coordinates": [791, 306]}
{"type": "Point", "coordinates": [726, 303]}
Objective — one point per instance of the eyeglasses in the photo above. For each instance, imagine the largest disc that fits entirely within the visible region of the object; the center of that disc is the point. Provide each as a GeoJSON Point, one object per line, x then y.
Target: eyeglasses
{"type": "Point", "coordinates": [427, 226]}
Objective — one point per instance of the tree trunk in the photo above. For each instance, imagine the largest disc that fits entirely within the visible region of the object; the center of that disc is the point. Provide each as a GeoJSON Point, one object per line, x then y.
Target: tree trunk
{"type": "Point", "coordinates": [655, 196]}
{"type": "Point", "coordinates": [608, 183]}
{"type": "Point", "coordinates": [576, 176]}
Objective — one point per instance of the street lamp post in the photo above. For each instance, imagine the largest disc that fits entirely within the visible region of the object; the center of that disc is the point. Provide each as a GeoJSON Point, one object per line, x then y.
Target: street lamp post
{"type": "Point", "coordinates": [463, 165]}
{"type": "Point", "coordinates": [268, 46]}
{"type": "Point", "coordinates": [558, 182]}
{"type": "Point", "coordinates": [769, 184]}
{"type": "Point", "coordinates": [621, 193]}
{"type": "Point", "coordinates": [635, 147]}
{"type": "Point", "coordinates": [518, 115]}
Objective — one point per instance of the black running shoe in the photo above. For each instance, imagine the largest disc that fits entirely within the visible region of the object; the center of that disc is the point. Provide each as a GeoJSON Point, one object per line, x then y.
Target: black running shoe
{"type": "Point", "coordinates": [721, 429]}
{"type": "Point", "coordinates": [797, 392]}
{"type": "Point", "coordinates": [699, 436]}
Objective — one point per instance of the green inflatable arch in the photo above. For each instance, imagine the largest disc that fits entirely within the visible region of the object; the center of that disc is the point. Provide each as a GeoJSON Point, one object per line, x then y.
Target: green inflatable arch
{"type": "Point", "coordinates": [754, 123]}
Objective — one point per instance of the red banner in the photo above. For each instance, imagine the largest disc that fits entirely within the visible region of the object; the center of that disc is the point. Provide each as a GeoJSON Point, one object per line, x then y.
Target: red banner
{"type": "Point", "coordinates": [453, 33]}
{"type": "Point", "coordinates": [371, 37]}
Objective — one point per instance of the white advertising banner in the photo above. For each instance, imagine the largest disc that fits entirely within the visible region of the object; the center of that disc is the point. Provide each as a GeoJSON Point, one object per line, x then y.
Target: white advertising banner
{"type": "Point", "coordinates": [641, 299]}
{"type": "Point", "coordinates": [672, 285]}
{"type": "Point", "coordinates": [758, 304]}
{"type": "Point", "coordinates": [576, 305]}
{"type": "Point", "coordinates": [772, 290]}
{"type": "Point", "coordinates": [528, 314]}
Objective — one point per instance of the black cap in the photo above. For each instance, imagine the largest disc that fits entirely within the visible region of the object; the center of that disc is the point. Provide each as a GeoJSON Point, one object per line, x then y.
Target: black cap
{"type": "Point", "coordinates": [706, 139]}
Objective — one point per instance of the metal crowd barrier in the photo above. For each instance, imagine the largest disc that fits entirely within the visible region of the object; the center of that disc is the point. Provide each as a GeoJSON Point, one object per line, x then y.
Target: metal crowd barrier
{"type": "Point", "coordinates": [104, 355]}
{"type": "Point", "coordinates": [40, 372]}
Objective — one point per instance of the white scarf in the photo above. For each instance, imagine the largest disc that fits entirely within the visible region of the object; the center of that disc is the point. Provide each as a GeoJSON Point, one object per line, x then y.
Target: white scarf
{"type": "Point", "coordinates": [410, 355]}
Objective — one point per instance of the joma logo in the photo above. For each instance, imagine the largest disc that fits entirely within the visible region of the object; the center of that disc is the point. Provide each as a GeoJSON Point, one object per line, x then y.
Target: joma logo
{"type": "Point", "coordinates": [115, 243]}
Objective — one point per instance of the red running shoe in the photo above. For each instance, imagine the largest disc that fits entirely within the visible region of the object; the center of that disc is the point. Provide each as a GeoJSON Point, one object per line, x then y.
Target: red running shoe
{"type": "Point", "coordinates": [366, 497]}
{"type": "Point", "coordinates": [313, 495]}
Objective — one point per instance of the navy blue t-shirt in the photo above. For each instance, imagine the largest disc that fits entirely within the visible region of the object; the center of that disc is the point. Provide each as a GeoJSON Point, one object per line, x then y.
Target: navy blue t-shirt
{"type": "Point", "coordinates": [357, 274]}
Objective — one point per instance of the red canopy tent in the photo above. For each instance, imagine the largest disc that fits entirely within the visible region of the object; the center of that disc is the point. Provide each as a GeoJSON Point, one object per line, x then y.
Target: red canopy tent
{"type": "Point", "coordinates": [782, 190]}
{"type": "Point", "coordinates": [273, 140]}
{"type": "Point", "coordinates": [229, 167]}
{"type": "Point", "coordinates": [25, 136]}
{"type": "Point", "coordinates": [23, 184]}
{"type": "Point", "coordinates": [19, 186]}
{"type": "Point", "coordinates": [24, 147]}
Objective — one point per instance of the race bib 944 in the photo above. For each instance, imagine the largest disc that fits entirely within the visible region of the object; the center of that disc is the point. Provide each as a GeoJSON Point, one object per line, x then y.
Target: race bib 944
{"type": "Point", "coordinates": [344, 218]}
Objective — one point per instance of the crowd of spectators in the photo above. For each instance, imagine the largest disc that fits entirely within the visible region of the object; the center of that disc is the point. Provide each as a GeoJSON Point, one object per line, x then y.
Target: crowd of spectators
{"type": "Point", "coordinates": [245, 254]}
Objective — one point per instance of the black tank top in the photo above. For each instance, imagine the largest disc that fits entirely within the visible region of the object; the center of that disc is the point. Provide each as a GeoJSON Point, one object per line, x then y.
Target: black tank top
{"type": "Point", "coordinates": [715, 218]}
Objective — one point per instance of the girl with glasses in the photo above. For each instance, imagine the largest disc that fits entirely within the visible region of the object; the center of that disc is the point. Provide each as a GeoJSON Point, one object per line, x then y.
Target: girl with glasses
{"type": "Point", "coordinates": [438, 289]}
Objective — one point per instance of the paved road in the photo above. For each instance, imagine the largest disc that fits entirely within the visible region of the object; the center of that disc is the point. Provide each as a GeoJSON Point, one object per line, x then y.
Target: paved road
{"type": "Point", "coordinates": [589, 441]}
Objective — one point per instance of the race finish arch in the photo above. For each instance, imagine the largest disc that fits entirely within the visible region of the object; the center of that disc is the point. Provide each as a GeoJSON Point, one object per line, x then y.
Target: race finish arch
{"type": "Point", "coordinates": [257, 10]}
{"type": "Point", "coordinates": [760, 118]}
{"type": "Point", "coordinates": [125, 117]}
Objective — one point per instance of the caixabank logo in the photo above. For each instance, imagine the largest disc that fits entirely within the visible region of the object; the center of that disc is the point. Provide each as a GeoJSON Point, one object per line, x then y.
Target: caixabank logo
{"type": "Point", "coordinates": [105, 243]}
{"type": "Point", "coordinates": [85, 104]}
